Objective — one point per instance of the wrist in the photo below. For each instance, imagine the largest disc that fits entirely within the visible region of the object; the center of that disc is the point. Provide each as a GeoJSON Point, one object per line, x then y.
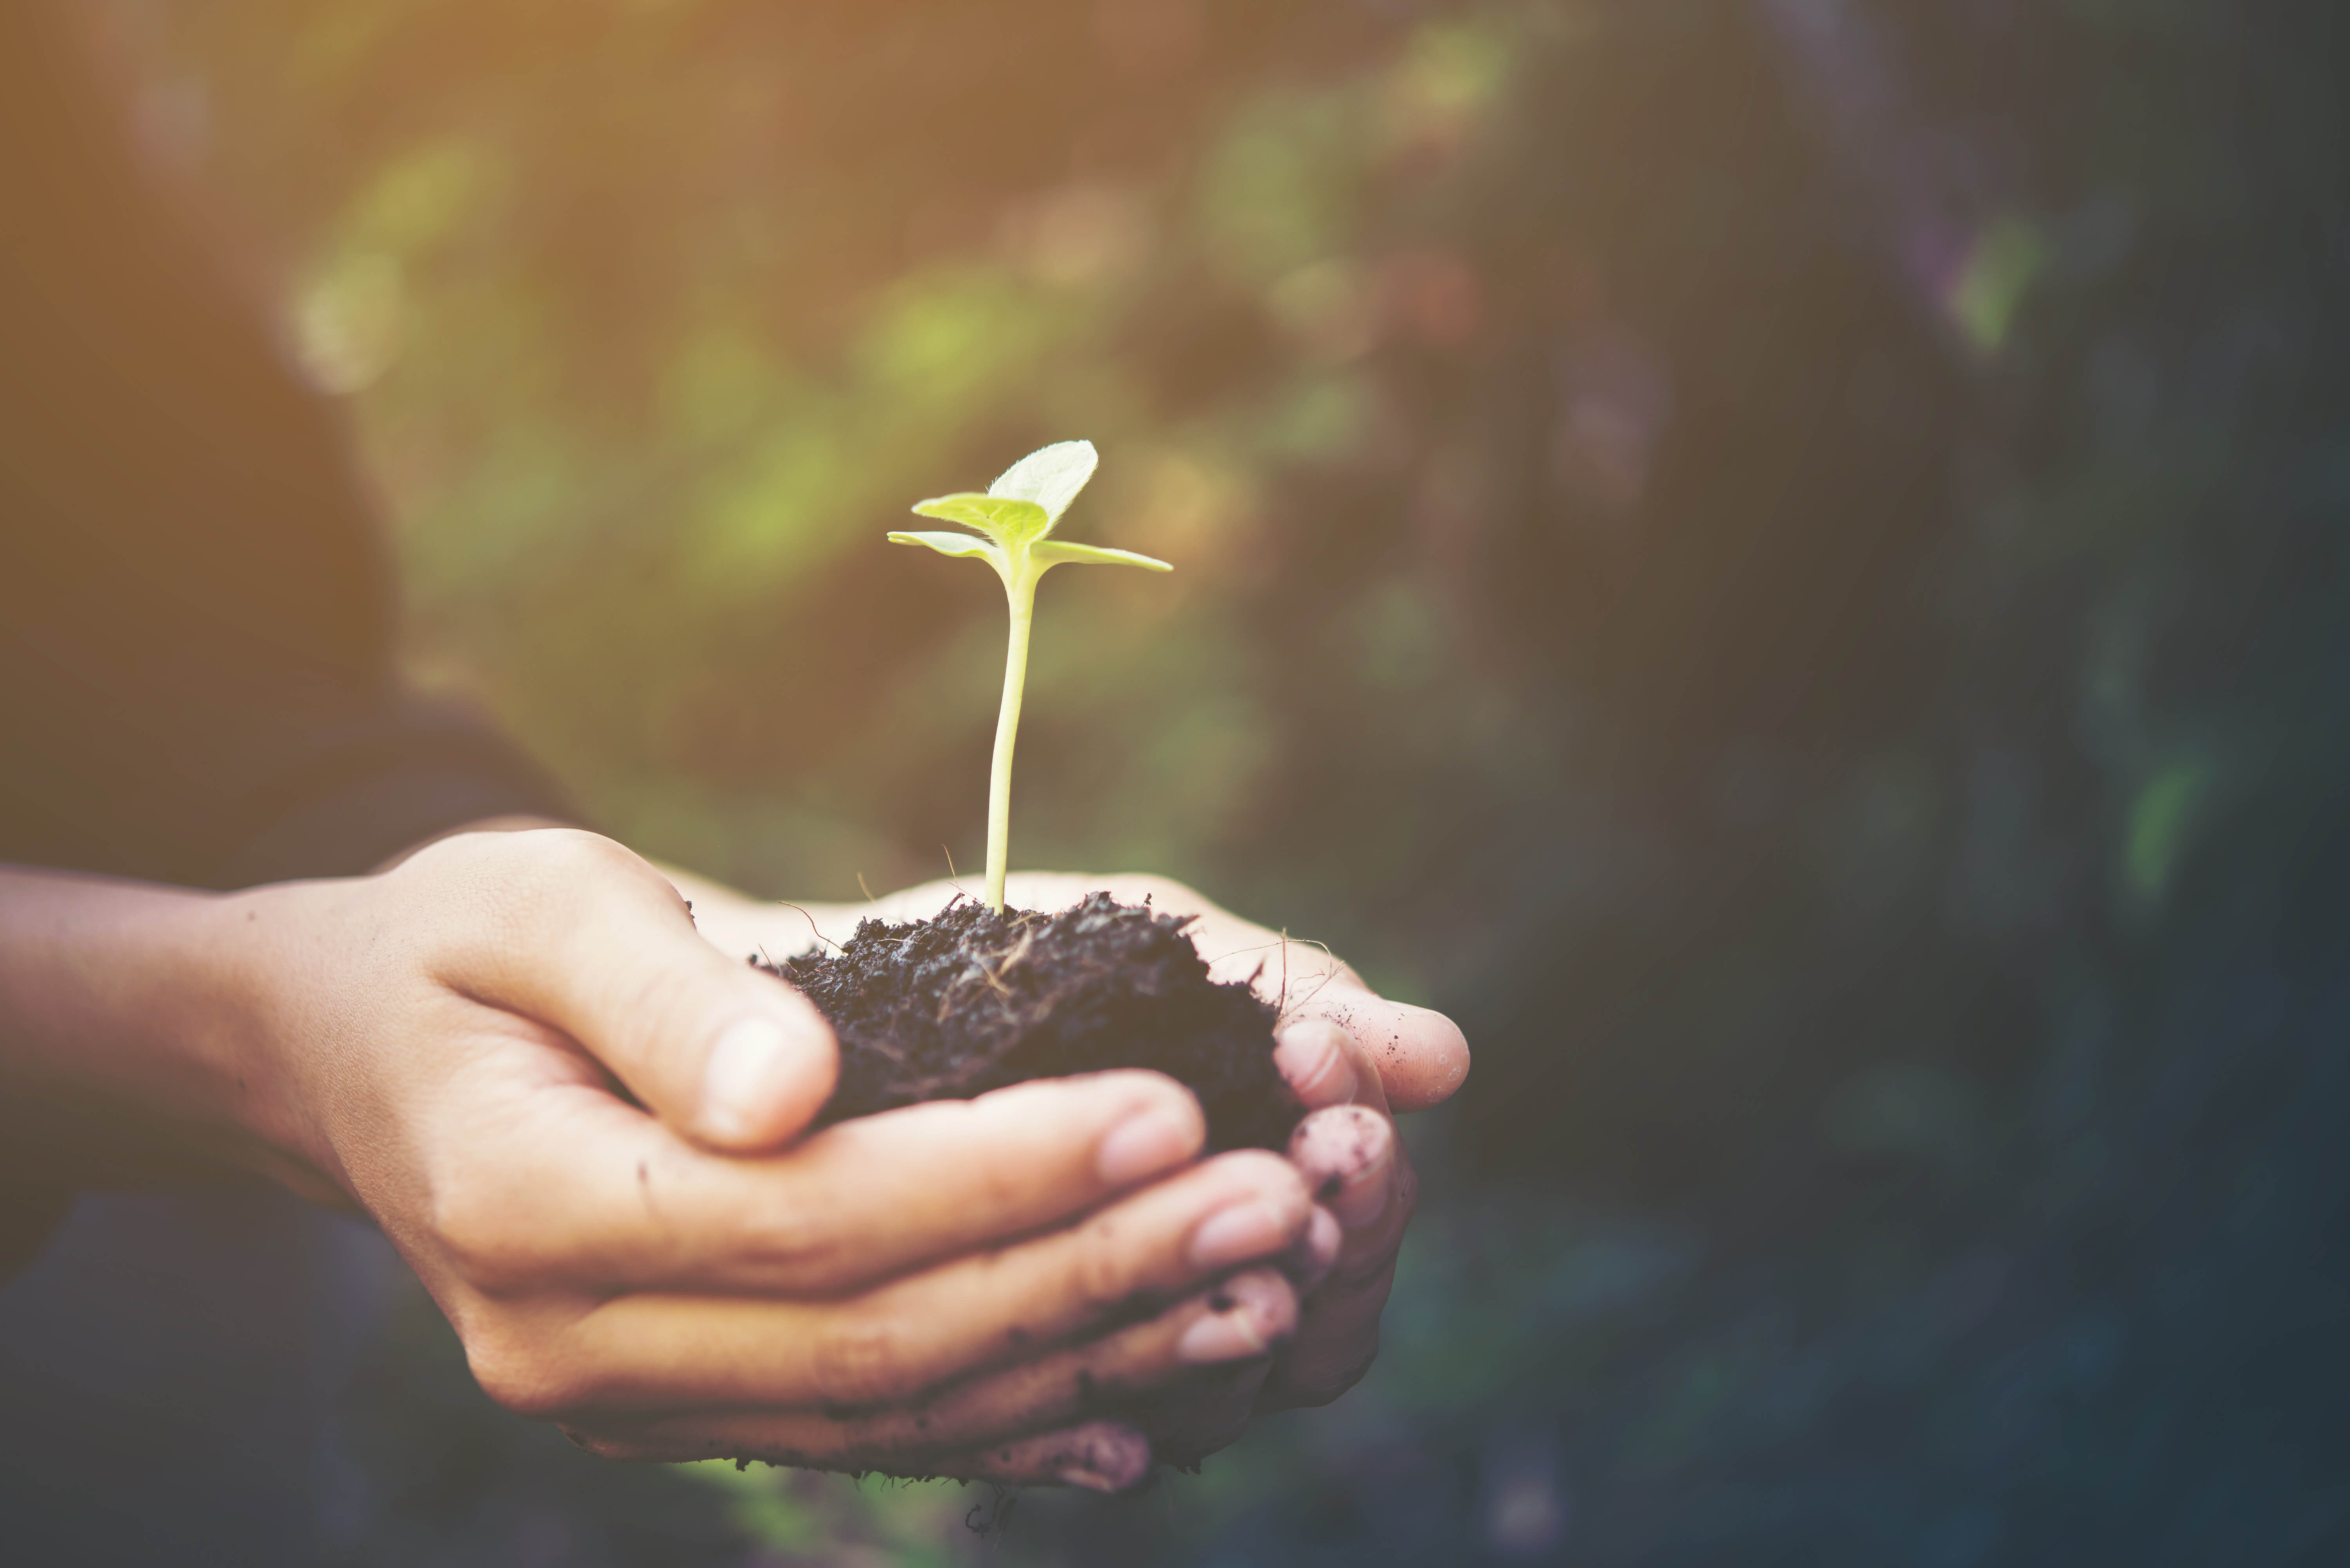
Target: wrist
{"type": "Point", "coordinates": [258, 1035]}
{"type": "Point", "coordinates": [143, 1004]}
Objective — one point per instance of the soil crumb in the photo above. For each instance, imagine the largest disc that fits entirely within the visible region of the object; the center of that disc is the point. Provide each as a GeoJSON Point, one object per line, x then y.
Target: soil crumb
{"type": "Point", "coordinates": [971, 1001]}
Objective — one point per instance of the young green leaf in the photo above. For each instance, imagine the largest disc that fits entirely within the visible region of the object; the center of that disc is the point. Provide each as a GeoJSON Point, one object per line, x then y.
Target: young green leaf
{"type": "Point", "coordinates": [1057, 552]}
{"type": "Point", "coordinates": [1001, 518]}
{"type": "Point", "coordinates": [1012, 519]}
{"type": "Point", "coordinates": [1050, 476]}
{"type": "Point", "coordinates": [954, 545]}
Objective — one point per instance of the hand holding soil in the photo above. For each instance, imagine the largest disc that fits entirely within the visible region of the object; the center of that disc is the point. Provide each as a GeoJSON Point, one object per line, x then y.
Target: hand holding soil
{"type": "Point", "coordinates": [1418, 1057]}
{"type": "Point", "coordinates": [1346, 1054]}
{"type": "Point", "coordinates": [491, 1049]}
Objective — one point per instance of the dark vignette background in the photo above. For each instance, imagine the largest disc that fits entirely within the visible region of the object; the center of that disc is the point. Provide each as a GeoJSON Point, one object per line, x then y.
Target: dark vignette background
{"type": "Point", "coordinates": [1785, 560]}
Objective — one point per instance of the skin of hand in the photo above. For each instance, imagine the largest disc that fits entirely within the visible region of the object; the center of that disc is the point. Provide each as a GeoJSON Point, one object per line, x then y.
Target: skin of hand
{"type": "Point", "coordinates": [575, 1119]}
{"type": "Point", "coordinates": [1352, 1058]}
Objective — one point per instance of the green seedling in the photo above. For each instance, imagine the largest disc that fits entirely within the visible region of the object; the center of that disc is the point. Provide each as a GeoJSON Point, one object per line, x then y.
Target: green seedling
{"type": "Point", "coordinates": [1015, 519]}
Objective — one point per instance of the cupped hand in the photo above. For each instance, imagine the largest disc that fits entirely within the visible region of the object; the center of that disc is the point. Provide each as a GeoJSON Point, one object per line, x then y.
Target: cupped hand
{"type": "Point", "coordinates": [569, 1113]}
{"type": "Point", "coordinates": [1351, 1056]}
{"type": "Point", "coordinates": [1347, 1152]}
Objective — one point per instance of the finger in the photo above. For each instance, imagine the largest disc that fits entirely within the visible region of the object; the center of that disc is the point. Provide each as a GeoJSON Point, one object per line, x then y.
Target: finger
{"type": "Point", "coordinates": [1338, 1334]}
{"type": "Point", "coordinates": [1336, 1342]}
{"type": "Point", "coordinates": [588, 937]}
{"type": "Point", "coordinates": [1418, 1055]}
{"type": "Point", "coordinates": [893, 1345]}
{"type": "Point", "coordinates": [575, 1188]}
{"type": "Point", "coordinates": [1323, 1065]}
{"type": "Point", "coordinates": [1243, 1318]}
{"type": "Point", "coordinates": [1347, 1155]}
{"type": "Point", "coordinates": [1099, 1456]}
{"type": "Point", "coordinates": [1357, 1167]}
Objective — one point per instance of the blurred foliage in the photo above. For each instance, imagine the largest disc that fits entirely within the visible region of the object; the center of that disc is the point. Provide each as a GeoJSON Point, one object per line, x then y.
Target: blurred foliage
{"type": "Point", "coordinates": [1784, 558]}
{"type": "Point", "coordinates": [652, 315]}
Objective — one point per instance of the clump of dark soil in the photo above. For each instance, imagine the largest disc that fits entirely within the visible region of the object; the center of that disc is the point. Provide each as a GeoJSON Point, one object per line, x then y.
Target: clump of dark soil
{"type": "Point", "coordinates": [971, 1001]}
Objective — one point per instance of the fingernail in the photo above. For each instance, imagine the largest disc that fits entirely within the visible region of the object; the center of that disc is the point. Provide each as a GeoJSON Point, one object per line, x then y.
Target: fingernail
{"type": "Point", "coordinates": [1221, 1336]}
{"type": "Point", "coordinates": [1314, 1057]}
{"type": "Point", "coordinates": [1146, 1144]}
{"type": "Point", "coordinates": [1348, 1153]}
{"type": "Point", "coordinates": [1234, 1234]}
{"type": "Point", "coordinates": [747, 1068]}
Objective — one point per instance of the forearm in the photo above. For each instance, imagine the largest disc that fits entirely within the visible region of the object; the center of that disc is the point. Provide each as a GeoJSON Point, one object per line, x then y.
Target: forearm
{"type": "Point", "coordinates": [142, 1003]}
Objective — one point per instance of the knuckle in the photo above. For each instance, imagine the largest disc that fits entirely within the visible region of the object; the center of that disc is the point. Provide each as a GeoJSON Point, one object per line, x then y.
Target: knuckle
{"type": "Point", "coordinates": [518, 1374]}
{"type": "Point", "coordinates": [787, 1241]}
{"type": "Point", "coordinates": [660, 1000]}
{"type": "Point", "coordinates": [573, 849]}
{"type": "Point", "coordinates": [548, 866]}
{"type": "Point", "coordinates": [475, 1231]}
{"type": "Point", "coordinates": [860, 1358]}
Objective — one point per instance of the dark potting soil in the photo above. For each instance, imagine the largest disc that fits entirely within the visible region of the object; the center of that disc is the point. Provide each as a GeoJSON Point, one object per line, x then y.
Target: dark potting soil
{"type": "Point", "coordinates": [971, 1001]}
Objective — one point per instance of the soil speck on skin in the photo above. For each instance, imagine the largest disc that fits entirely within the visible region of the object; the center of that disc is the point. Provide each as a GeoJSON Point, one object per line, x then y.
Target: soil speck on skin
{"type": "Point", "coordinates": [971, 1001]}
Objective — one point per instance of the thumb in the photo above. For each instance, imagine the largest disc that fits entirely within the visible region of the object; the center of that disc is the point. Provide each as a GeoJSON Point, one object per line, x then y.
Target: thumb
{"type": "Point", "coordinates": [601, 946]}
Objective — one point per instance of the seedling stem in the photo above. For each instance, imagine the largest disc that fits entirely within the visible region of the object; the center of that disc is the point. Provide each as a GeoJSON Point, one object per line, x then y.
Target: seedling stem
{"type": "Point", "coordinates": [1022, 593]}
{"type": "Point", "coordinates": [1015, 519]}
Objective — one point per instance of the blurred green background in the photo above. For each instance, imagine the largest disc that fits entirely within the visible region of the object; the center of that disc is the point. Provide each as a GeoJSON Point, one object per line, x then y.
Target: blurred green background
{"type": "Point", "coordinates": [1783, 559]}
